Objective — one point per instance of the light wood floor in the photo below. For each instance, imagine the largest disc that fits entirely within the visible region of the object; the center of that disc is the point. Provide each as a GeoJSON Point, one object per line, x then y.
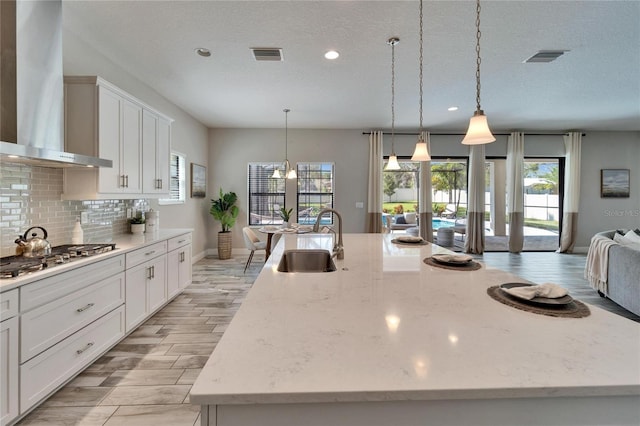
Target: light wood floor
{"type": "Point", "coordinates": [145, 380]}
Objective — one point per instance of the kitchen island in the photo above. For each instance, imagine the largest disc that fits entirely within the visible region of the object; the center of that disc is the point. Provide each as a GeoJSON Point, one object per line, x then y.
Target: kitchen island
{"type": "Point", "coordinates": [389, 340]}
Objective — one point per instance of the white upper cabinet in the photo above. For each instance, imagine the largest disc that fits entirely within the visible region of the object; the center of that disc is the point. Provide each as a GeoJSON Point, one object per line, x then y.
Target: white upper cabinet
{"type": "Point", "coordinates": [156, 149]}
{"type": "Point", "coordinates": [103, 121]}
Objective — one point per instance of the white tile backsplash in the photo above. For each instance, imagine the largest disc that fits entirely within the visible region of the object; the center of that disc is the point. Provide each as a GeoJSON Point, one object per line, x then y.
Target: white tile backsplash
{"type": "Point", "coordinates": [30, 196]}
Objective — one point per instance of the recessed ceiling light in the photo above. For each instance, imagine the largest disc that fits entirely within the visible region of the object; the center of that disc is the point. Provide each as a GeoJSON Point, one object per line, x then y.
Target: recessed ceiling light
{"type": "Point", "coordinates": [203, 51]}
{"type": "Point", "coordinates": [331, 54]}
{"type": "Point", "coordinates": [452, 108]}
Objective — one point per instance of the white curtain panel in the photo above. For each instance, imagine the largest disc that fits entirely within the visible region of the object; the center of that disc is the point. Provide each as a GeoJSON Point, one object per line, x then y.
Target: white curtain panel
{"type": "Point", "coordinates": [573, 146]}
{"type": "Point", "coordinates": [374, 199]}
{"type": "Point", "coordinates": [515, 190]}
{"type": "Point", "coordinates": [425, 213]}
{"type": "Point", "coordinates": [475, 213]}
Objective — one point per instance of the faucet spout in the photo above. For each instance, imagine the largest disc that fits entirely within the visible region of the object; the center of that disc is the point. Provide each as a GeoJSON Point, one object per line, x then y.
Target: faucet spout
{"type": "Point", "coordinates": [338, 247]}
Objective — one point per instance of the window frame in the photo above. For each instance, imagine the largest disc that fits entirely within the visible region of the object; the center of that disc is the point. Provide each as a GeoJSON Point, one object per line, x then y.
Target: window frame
{"type": "Point", "coordinates": [309, 218]}
{"type": "Point", "coordinates": [275, 198]}
{"type": "Point", "coordinates": [181, 179]}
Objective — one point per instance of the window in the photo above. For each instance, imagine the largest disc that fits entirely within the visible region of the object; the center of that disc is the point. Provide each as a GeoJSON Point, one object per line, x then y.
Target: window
{"type": "Point", "coordinates": [266, 194]}
{"type": "Point", "coordinates": [177, 179]}
{"type": "Point", "coordinates": [315, 191]}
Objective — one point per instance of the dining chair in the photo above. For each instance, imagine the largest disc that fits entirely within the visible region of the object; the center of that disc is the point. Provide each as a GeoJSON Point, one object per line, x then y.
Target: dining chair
{"type": "Point", "coordinates": [253, 243]}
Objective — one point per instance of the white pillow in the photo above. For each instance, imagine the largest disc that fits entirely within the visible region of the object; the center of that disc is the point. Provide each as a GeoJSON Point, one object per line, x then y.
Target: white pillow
{"type": "Point", "coordinates": [620, 239]}
{"type": "Point", "coordinates": [627, 242]}
{"type": "Point", "coordinates": [633, 237]}
{"type": "Point", "coordinates": [410, 218]}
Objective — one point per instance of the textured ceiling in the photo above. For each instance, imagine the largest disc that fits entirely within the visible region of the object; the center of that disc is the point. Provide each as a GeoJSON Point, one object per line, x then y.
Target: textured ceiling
{"type": "Point", "coordinates": [594, 86]}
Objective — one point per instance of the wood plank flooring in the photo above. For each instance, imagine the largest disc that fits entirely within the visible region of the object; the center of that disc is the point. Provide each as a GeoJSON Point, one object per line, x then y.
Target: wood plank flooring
{"type": "Point", "coordinates": [145, 379]}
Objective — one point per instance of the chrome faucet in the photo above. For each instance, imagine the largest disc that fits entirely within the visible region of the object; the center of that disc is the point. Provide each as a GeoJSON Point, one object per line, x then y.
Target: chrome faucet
{"type": "Point", "coordinates": [338, 248]}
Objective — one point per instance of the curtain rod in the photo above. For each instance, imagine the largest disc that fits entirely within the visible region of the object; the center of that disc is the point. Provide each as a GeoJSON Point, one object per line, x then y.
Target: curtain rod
{"type": "Point", "coordinates": [462, 134]}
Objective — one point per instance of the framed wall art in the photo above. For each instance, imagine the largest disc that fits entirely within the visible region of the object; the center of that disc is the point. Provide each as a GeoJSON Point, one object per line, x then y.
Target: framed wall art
{"type": "Point", "coordinates": [614, 183]}
{"type": "Point", "coordinates": [198, 181]}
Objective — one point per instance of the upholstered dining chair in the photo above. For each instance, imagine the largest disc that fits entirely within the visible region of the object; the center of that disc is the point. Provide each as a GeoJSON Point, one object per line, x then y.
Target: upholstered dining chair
{"type": "Point", "coordinates": [253, 243]}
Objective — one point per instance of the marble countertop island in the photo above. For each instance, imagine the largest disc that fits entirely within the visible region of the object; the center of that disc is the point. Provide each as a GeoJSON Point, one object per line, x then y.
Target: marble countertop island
{"type": "Point", "coordinates": [387, 330]}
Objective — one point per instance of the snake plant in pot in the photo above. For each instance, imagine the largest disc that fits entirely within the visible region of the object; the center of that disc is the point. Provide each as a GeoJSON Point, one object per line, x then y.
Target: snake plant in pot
{"type": "Point", "coordinates": [224, 209]}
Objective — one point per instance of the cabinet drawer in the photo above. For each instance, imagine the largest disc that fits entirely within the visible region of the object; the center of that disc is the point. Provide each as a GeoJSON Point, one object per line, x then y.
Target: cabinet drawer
{"type": "Point", "coordinates": [179, 241]}
{"type": "Point", "coordinates": [46, 325]}
{"type": "Point", "coordinates": [44, 373]}
{"type": "Point", "coordinates": [8, 304]}
{"type": "Point", "coordinates": [52, 288]}
{"type": "Point", "coordinates": [139, 256]}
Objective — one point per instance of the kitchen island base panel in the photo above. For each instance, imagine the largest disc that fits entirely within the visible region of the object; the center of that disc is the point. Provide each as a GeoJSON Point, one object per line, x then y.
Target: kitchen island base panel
{"type": "Point", "coordinates": [570, 411]}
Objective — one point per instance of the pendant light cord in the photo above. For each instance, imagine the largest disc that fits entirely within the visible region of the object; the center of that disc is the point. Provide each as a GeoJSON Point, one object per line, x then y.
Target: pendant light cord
{"type": "Point", "coordinates": [420, 77]}
{"type": "Point", "coordinates": [286, 129]}
{"type": "Point", "coordinates": [478, 60]}
{"type": "Point", "coordinates": [393, 41]}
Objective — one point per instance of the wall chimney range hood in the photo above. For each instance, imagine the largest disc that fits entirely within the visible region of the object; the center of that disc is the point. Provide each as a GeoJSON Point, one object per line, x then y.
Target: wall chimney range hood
{"type": "Point", "coordinates": [32, 86]}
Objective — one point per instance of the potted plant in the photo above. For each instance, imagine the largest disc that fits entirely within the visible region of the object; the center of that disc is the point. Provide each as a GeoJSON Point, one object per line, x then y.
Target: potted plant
{"type": "Point", "coordinates": [286, 216]}
{"type": "Point", "coordinates": [137, 225]}
{"type": "Point", "coordinates": [224, 210]}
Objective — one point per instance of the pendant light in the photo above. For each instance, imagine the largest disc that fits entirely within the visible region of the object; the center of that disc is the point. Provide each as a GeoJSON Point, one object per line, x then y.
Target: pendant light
{"type": "Point", "coordinates": [289, 173]}
{"type": "Point", "coordinates": [421, 153]}
{"type": "Point", "coordinates": [392, 164]}
{"type": "Point", "coordinates": [478, 132]}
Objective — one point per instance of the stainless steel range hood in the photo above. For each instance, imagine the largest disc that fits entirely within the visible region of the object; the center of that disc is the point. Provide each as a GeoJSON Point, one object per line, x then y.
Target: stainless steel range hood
{"type": "Point", "coordinates": [31, 86]}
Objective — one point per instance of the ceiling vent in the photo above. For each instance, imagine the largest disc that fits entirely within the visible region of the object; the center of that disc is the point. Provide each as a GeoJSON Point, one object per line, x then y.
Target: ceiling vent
{"type": "Point", "coordinates": [267, 53]}
{"type": "Point", "coordinates": [546, 56]}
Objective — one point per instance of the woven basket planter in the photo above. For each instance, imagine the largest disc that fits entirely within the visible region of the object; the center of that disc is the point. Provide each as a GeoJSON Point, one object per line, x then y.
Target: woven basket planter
{"type": "Point", "coordinates": [224, 245]}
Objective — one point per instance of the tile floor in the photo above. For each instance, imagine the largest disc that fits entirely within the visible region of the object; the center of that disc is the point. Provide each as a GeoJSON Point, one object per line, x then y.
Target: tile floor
{"type": "Point", "coordinates": [145, 380]}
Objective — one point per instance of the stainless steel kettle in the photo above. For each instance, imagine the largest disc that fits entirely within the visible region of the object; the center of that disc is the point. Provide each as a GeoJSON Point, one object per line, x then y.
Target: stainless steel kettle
{"type": "Point", "coordinates": [34, 246]}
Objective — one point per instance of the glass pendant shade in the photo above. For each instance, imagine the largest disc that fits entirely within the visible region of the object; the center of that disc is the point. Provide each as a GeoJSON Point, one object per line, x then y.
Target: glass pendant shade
{"type": "Point", "coordinates": [289, 172]}
{"type": "Point", "coordinates": [421, 153]}
{"type": "Point", "coordinates": [478, 132]}
{"type": "Point", "coordinates": [276, 174]}
{"type": "Point", "coordinates": [392, 164]}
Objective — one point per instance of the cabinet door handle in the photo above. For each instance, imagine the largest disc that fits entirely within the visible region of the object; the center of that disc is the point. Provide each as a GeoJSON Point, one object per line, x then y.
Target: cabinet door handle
{"type": "Point", "coordinates": [84, 308]}
{"type": "Point", "coordinates": [149, 253]}
{"type": "Point", "coordinates": [79, 351]}
{"type": "Point", "coordinates": [181, 241]}
{"type": "Point", "coordinates": [121, 181]}
{"type": "Point", "coordinates": [149, 273]}
{"type": "Point", "coordinates": [127, 180]}
{"type": "Point", "coordinates": [153, 272]}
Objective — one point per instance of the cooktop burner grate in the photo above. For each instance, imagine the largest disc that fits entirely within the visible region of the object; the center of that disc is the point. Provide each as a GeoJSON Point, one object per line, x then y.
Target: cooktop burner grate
{"type": "Point", "coordinates": [14, 266]}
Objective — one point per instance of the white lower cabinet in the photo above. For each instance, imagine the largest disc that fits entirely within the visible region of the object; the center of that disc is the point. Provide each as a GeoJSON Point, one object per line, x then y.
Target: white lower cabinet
{"type": "Point", "coordinates": [48, 324]}
{"type": "Point", "coordinates": [55, 327]}
{"type": "Point", "coordinates": [44, 373]}
{"type": "Point", "coordinates": [8, 370]}
{"type": "Point", "coordinates": [145, 288]}
{"type": "Point", "coordinates": [178, 264]}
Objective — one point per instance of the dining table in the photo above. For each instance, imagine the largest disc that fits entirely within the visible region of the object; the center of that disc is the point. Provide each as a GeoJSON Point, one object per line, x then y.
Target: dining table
{"type": "Point", "coordinates": [270, 230]}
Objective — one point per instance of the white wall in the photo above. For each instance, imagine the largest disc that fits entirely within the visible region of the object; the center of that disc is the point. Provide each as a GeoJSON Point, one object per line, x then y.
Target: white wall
{"type": "Point", "coordinates": [602, 150]}
{"type": "Point", "coordinates": [188, 135]}
{"type": "Point", "coordinates": [232, 149]}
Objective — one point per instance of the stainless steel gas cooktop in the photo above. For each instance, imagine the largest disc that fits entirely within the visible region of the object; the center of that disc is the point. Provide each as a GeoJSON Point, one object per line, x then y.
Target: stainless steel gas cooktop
{"type": "Point", "coordinates": [15, 266]}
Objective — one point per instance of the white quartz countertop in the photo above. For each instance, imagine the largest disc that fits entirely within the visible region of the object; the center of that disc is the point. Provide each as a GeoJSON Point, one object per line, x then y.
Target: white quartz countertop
{"type": "Point", "coordinates": [387, 327]}
{"type": "Point", "coordinates": [124, 243]}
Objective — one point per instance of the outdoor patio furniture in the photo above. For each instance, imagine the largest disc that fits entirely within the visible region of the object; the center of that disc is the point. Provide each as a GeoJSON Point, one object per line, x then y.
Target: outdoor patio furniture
{"type": "Point", "coordinates": [445, 236]}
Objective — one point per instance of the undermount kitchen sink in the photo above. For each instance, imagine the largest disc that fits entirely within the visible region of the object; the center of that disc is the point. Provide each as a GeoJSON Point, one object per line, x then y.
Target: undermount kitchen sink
{"type": "Point", "coordinates": [306, 261]}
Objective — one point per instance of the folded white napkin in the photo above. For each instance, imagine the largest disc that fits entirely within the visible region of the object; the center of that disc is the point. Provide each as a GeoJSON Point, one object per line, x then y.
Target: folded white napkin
{"type": "Point", "coordinates": [453, 258]}
{"type": "Point", "coordinates": [548, 290]}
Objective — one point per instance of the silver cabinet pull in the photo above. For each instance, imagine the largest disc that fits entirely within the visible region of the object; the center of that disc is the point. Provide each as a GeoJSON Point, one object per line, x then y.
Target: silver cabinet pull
{"type": "Point", "coordinates": [84, 308]}
{"type": "Point", "coordinates": [79, 351]}
{"type": "Point", "coordinates": [149, 253]}
{"type": "Point", "coordinates": [153, 272]}
{"type": "Point", "coordinates": [149, 273]}
{"type": "Point", "coordinates": [121, 181]}
{"type": "Point", "coordinates": [181, 241]}
{"type": "Point", "coordinates": [127, 180]}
